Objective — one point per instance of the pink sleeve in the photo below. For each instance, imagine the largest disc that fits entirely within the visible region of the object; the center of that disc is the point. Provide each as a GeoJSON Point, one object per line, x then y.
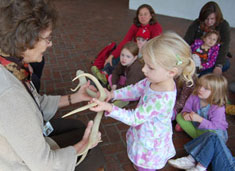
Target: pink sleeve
{"type": "Point", "coordinates": [196, 44]}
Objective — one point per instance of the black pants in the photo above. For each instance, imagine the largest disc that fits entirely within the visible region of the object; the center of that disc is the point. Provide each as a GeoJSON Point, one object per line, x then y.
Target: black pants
{"type": "Point", "coordinates": [70, 131]}
{"type": "Point", "coordinates": [67, 131]}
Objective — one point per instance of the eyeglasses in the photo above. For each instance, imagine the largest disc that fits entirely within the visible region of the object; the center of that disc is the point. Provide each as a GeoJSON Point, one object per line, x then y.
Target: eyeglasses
{"type": "Point", "coordinates": [47, 39]}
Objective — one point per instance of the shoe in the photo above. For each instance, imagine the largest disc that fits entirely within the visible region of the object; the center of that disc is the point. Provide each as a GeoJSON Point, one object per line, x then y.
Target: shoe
{"type": "Point", "coordinates": [178, 128]}
{"type": "Point", "coordinates": [94, 70]}
{"type": "Point", "coordinates": [181, 163]}
{"type": "Point", "coordinates": [101, 77]}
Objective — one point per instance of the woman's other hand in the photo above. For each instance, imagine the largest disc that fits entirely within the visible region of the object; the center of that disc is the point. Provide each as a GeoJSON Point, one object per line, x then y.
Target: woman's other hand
{"type": "Point", "coordinates": [81, 145]}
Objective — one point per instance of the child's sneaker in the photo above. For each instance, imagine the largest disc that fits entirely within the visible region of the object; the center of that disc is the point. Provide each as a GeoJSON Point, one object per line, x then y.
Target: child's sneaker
{"type": "Point", "coordinates": [178, 128]}
{"type": "Point", "coordinates": [181, 163]}
{"type": "Point", "coordinates": [101, 77]}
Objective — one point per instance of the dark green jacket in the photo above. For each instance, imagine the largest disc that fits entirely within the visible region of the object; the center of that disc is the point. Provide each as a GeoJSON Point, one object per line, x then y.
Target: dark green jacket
{"type": "Point", "coordinates": [194, 32]}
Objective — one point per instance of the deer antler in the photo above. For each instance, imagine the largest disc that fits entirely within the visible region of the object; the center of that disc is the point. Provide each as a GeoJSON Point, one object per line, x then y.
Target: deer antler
{"type": "Point", "coordinates": [95, 129]}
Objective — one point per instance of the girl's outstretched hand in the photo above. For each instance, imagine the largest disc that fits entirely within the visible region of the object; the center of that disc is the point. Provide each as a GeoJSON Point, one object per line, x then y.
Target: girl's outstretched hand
{"type": "Point", "coordinates": [109, 95]}
{"type": "Point", "coordinates": [101, 106]}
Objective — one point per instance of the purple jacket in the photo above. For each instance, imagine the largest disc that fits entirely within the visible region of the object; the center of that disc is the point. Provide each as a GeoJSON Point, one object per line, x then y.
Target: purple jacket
{"type": "Point", "coordinates": [216, 114]}
{"type": "Point", "coordinates": [212, 53]}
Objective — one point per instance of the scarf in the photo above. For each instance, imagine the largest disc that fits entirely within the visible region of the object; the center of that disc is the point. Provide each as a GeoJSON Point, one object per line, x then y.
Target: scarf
{"type": "Point", "coordinates": [16, 66]}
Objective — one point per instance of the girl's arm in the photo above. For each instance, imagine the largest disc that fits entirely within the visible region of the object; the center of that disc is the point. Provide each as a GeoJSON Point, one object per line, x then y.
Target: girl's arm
{"type": "Point", "coordinates": [188, 107]}
{"type": "Point", "coordinates": [216, 120]}
{"type": "Point", "coordinates": [146, 112]}
{"type": "Point", "coordinates": [213, 53]}
{"type": "Point", "coordinates": [131, 92]}
{"type": "Point", "coordinates": [196, 44]}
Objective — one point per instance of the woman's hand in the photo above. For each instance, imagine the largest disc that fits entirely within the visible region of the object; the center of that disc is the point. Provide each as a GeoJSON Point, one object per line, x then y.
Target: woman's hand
{"type": "Point", "coordinates": [81, 94]}
{"type": "Point", "coordinates": [109, 60]}
{"type": "Point", "coordinates": [83, 143]}
{"type": "Point", "coordinates": [217, 71]}
{"type": "Point", "coordinates": [101, 106]}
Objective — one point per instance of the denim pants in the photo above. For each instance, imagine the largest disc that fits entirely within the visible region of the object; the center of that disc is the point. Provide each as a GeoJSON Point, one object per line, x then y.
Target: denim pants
{"type": "Point", "coordinates": [210, 148]}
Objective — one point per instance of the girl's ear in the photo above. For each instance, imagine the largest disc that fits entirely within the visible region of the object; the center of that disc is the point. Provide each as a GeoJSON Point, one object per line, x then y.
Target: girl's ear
{"type": "Point", "coordinates": [173, 72]}
{"type": "Point", "coordinates": [135, 57]}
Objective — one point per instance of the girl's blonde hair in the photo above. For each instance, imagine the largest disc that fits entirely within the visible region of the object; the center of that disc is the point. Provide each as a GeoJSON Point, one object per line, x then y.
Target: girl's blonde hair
{"type": "Point", "coordinates": [218, 85]}
{"type": "Point", "coordinates": [170, 51]}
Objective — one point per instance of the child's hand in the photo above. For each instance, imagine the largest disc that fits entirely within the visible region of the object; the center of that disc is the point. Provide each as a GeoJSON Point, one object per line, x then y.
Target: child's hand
{"type": "Point", "coordinates": [195, 117]}
{"type": "Point", "coordinates": [186, 116]}
{"type": "Point", "coordinates": [114, 87]}
{"type": "Point", "coordinates": [109, 94]}
{"type": "Point", "coordinates": [101, 106]}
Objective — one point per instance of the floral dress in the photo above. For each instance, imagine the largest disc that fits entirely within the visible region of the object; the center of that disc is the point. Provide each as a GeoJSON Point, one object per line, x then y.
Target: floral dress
{"type": "Point", "coordinates": [149, 139]}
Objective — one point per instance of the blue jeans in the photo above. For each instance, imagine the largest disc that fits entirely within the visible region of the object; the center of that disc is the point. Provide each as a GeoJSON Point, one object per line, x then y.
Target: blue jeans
{"type": "Point", "coordinates": [210, 70]}
{"type": "Point", "coordinates": [210, 148]}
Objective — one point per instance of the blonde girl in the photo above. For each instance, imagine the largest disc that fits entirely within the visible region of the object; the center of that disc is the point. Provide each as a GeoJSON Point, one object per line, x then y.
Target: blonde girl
{"type": "Point", "coordinates": [149, 138]}
{"type": "Point", "coordinates": [205, 108]}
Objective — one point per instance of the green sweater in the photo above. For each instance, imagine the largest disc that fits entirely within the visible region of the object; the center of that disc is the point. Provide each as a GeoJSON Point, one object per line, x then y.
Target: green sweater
{"type": "Point", "coordinates": [194, 32]}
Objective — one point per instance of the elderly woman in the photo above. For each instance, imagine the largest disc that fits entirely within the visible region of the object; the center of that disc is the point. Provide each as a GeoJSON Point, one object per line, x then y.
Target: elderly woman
{"type": "Point", "coordinates": [25, 34]}
{"type": "Point", "coordinates": [211, 17]}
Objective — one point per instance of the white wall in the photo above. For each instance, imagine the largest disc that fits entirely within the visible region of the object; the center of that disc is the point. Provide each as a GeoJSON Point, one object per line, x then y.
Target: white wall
{"type": "Point", "coordinates": [188, 9]}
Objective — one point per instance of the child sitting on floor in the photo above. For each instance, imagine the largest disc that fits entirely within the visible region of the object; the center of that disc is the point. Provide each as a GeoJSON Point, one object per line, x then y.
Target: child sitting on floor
{"type": "Point", "coordinates": [205, 109]}
{"type": "Point", "coordinates": [142, 36]}
{"type": "Point", "coordinates": [205, 51]}
{"type": "Point", "coordinates": [128, 71]}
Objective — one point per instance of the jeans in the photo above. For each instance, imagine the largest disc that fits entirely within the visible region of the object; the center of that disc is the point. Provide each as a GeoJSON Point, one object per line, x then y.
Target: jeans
{"type": "Point", "coordinates": [226, 66]}
{"type": "Point", "coordinates": [210, 148]}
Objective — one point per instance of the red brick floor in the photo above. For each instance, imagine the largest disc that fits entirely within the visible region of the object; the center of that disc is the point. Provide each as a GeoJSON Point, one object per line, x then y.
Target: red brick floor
{"type": "Point", "coordinates": [84, 28]}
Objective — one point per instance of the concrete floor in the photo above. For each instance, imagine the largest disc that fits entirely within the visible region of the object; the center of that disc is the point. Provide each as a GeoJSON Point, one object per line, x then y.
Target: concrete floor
{"type": "Point", "coordinates": [84, 28]}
